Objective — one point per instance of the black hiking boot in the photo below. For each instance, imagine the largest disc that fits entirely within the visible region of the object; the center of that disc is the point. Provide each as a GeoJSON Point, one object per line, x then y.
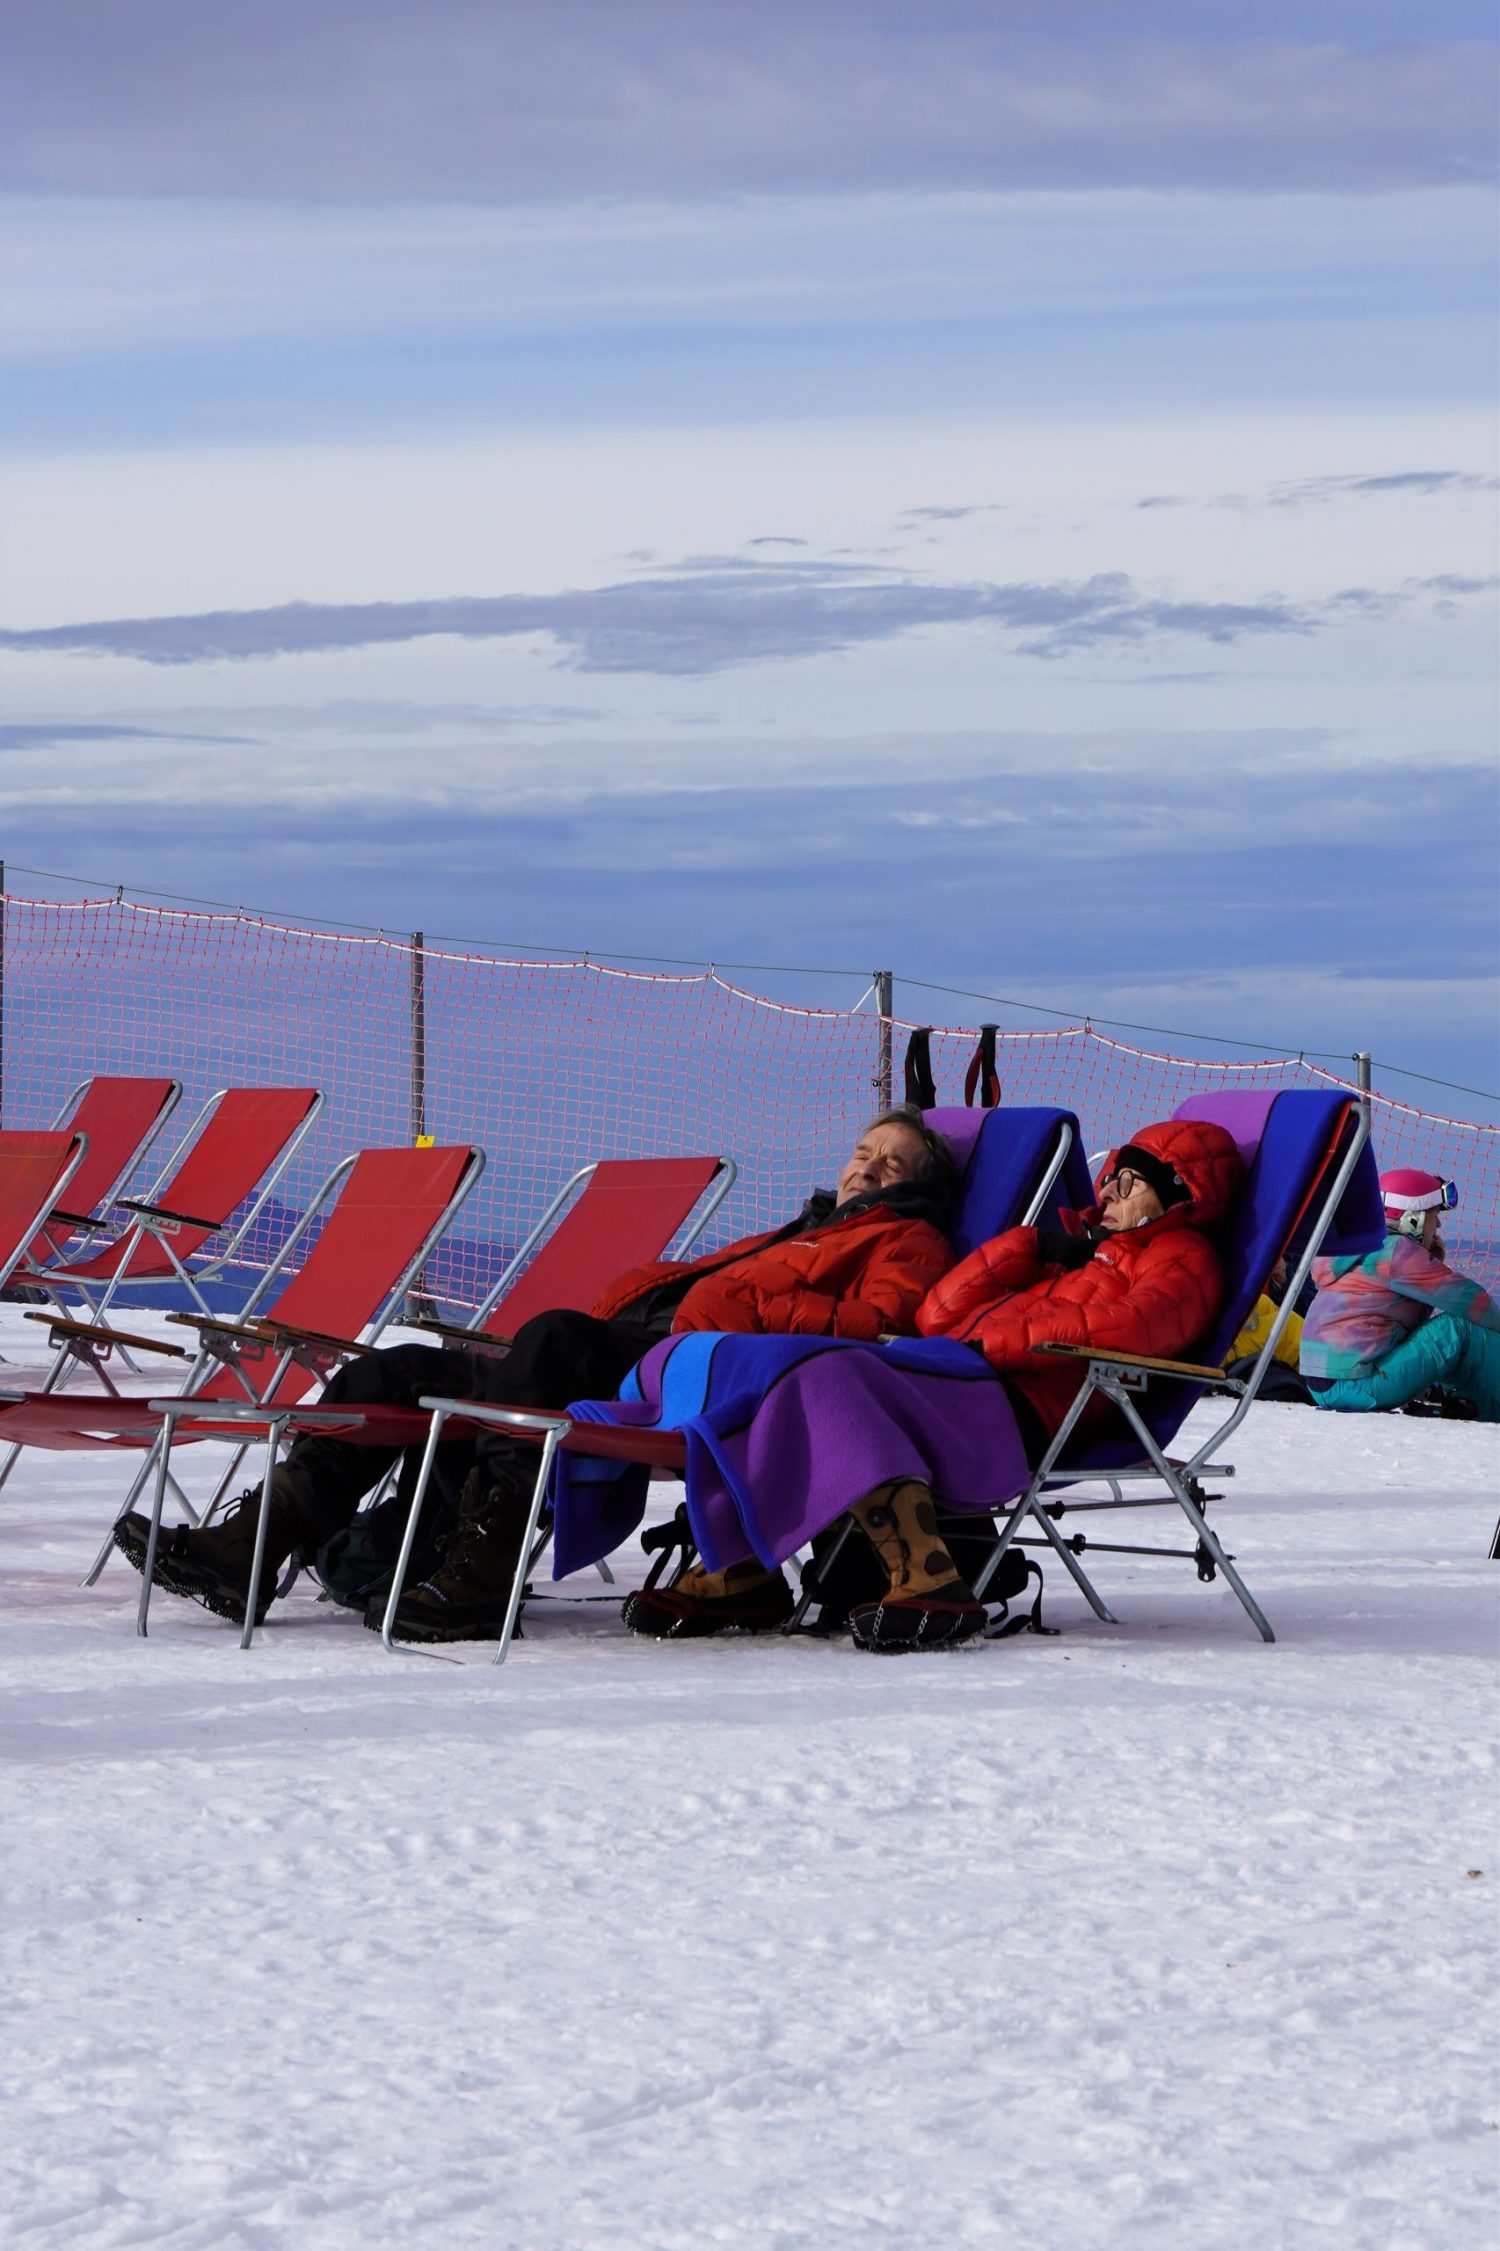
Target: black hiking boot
{"type": "Point", "coordinates": [212, 1565]}
{"type": "Point", "coordinates": [902, 1623]}
{"type": "Point", "coordinates": [465, 1598]}
{"type": "Point", "coordinates": [702, 1603]}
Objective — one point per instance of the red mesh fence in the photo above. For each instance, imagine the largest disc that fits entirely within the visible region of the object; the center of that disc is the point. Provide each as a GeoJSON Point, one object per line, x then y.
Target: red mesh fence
{"type": "Point", "coordinates": [552, 1064]}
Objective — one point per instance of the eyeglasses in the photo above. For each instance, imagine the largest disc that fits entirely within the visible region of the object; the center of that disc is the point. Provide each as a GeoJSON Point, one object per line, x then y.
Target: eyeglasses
{"type": "Point", "coordinates": [1124, 1183]}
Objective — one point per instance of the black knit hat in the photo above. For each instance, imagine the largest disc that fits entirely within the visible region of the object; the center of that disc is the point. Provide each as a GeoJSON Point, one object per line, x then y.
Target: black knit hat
{"type": "Point", "coordinates": [1156, 1172]}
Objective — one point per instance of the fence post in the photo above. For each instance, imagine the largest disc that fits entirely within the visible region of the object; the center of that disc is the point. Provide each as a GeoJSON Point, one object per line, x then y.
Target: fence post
{"type": "Point", "coordinates": [1362, 1076]}
{"type": "Point", "coordinates": [418, 1042]}
{"type": "Point", "coordinates": [885, 985]}
{"type": "Point", "coordinates": [420, 1305]}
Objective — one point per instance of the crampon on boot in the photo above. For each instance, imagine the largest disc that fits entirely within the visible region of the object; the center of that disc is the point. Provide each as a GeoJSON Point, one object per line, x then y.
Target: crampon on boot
{"type": "Point", "coordinates": [903, 1622]}
{"type": "Point", "coordinates": [211, 1564]}
{"type": "Point", "coordinates": [465, 1598]}
{"type": "Point", "coordinates": [744, 1599]}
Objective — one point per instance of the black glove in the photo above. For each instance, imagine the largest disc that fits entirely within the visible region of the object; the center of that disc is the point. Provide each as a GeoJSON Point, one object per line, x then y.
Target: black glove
{"type": "Point", "coordinates": [1054, 1248]}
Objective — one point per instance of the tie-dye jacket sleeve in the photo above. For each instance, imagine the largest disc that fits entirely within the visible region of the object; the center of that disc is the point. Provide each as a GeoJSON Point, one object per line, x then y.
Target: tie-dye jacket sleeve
{"type": "Point", "coordinates": [1366, 1306]}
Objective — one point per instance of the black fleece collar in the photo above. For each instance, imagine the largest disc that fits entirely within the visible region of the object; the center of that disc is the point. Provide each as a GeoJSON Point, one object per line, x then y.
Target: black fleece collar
{"type": "Point", "coordinates": [910, 1199]}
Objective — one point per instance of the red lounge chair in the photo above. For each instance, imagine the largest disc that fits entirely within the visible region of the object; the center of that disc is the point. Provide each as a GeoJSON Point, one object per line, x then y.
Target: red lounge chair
{"type": "Point", "coordinates": [36, 1170]}
{"type": "Point", "coordinates": [392, 1208]}
{"type": "Point", "coordinates": [243, 1138]}
{"type": "Point", "coordinates": [629, 1210]}
{"type": "Point", "coordinates": [119, 1119]}
{"type": "Point", "coordinates": [236, 1136]}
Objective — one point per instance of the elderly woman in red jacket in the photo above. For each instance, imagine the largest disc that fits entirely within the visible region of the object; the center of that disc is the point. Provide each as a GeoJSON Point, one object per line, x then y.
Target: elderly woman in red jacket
{"type": "Point", "coordinates": [1136, 1273]}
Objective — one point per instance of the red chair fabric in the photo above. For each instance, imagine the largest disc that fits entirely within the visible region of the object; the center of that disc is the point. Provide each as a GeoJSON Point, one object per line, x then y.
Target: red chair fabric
{"type": "Point", "coordinates": [391, 1202]}
{"type": "Point", "coordinates": [120, 1118]}
{"type": "Point", "coordinates": [628, 1212]}
{"type": "Point", "coordinates": [246, 1132]}
{"type": "Point", "coordinates": [33, 1170]}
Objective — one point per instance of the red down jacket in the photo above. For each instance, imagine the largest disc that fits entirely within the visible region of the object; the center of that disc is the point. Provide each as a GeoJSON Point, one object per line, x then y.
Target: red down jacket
{"type": "Point", "coordinates": [1151, 1289]}
{"type": "Point", "coordinates": [853, 1277]}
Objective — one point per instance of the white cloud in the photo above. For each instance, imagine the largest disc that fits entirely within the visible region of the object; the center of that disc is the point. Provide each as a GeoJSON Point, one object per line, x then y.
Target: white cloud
{"type": "Point", "coordinates": [486, 99]}
{"type": "Point", "coordinates": [94, 275]}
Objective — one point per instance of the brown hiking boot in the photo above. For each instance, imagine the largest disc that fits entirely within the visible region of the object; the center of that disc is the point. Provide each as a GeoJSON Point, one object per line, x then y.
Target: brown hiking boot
{"type": "Point", "coordinates": [928, 1604]}
{"type": "Point", "coordinates": [744, 1599]}
{"type": "Point", "coordinates": [465, 1598]}
{"type": "Point", "coordinates": [212, 1564]}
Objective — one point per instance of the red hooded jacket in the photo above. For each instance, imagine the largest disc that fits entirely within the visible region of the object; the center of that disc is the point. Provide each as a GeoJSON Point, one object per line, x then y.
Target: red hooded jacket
{"type": "Point", "coordinates": [1151, 1289]}
{"type": "Point", "coordinates": [852, 1277]}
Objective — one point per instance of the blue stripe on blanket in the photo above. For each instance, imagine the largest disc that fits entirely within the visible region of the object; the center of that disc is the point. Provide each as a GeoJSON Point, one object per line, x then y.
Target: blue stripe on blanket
{"type": "Point", "coordinates": [710, 1387]}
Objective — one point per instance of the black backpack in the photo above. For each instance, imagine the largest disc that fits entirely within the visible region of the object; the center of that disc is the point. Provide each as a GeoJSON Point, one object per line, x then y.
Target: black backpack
{"type": "Point", "coordinates": [853, 1575]}
{"type": "Point", "coordinates": [356, 1565]}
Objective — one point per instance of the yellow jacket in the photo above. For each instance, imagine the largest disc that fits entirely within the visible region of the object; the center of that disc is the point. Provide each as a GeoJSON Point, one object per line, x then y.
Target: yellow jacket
{"type": "Point", "coordinates": [1258, 1327]}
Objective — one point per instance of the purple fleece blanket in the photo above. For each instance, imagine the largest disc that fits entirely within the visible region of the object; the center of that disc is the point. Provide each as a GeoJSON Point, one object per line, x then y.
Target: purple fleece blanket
{"type": "Point", "coordinates": [785, 1433]}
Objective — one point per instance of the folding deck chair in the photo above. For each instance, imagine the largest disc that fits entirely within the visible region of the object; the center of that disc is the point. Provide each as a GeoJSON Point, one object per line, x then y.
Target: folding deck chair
{"type": "Point", "coordinates": [380, 1214]}
{"type": "Point", "coordinates": [1311, 1186]}
{"type": "Point", "coordinates": [119, 1119]}
{"type": "Point", "coordinates": [1017, 1166]}
{"type": "Point", "coordinates": [627, 1210]}
{"type": "Point", "coordinates": [36, 1169]}
{"type": "Point", "coordinates": [242, 1139]}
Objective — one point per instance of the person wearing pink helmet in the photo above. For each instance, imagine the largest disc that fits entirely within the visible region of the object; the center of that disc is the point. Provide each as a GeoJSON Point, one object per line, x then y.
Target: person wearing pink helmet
{"type": "Point", "coordinates": [1387, 1326]}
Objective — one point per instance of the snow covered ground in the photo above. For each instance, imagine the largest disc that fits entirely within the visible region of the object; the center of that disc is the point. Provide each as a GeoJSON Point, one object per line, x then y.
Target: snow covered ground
{"type": "Point", "coordinates": [1146, 1936]}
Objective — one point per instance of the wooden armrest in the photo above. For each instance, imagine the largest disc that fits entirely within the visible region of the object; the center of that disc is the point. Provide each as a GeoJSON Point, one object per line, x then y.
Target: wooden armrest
{"type": "Point", "coordinates": [162, 1211]}
{"type": "Point", "coordinates": [266, 1330]}
{"type": "Point", "coordinates": [477, 1338]}
{"type": "Point", "coordinates": [1191, 1371]}
{"type": "Point", "coordinates": [59, 1326]}
{"type": "Point", "coordinates": [287, 1332]}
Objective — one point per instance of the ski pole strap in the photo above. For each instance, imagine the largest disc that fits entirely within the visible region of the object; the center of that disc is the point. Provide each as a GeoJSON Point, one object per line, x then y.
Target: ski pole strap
{"type": "Point", "coordinates": [921, 1087]}
{"type": "Point", "coordinates": [982, 1076]}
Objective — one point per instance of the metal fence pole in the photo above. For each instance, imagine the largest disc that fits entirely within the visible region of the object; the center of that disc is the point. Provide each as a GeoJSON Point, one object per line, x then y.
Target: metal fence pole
{"type": "Point", "coordinates": [1362, 1076]}
{"type": "Point", "coordinates": [418, 1042]}
{"type": "Point", "coordinates": [420, 1305]}
{"type": "Point", "coordinates": [885, 986]}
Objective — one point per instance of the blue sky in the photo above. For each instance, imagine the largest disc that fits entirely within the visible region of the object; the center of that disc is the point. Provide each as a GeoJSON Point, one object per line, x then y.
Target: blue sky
{"type": "Point", "coordinates": [1005, 492]}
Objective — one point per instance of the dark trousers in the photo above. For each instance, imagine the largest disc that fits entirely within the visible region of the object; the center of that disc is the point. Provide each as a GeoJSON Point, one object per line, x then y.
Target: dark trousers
{"type": "Point", "coordinates": [556, 1358]}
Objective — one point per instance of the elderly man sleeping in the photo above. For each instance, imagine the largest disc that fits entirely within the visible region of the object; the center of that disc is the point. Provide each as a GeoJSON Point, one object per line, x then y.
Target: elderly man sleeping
{"type": "Point", "coordinates": [794, 1434]}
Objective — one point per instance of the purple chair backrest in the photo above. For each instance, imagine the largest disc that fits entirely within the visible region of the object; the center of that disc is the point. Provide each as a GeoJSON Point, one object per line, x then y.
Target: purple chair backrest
{"type": "Point", "coordinates": [1002, 1155]}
